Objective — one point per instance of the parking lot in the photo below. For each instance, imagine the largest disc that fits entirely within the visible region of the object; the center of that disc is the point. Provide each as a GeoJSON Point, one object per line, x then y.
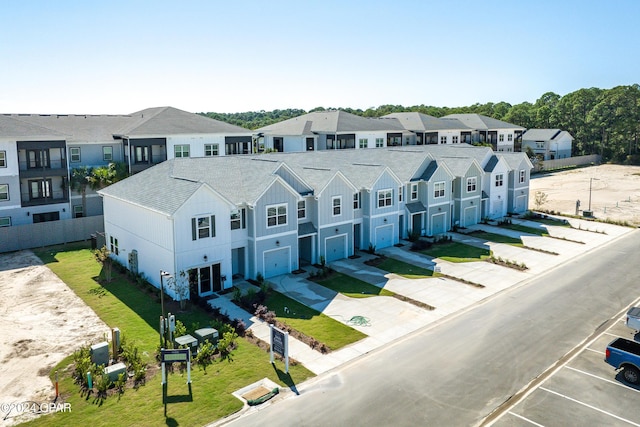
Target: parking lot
{"type": "Point", "coordinates": [583, 391]}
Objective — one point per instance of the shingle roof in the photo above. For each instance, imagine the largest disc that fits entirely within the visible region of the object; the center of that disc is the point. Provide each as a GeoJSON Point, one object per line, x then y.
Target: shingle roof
{"type": "Point", "coordinates": [424, 123]}
{"type": "Point", "coordinates": [493, 161]}
{"type": "Point", "coordinates": [544, 134]}
{"type": "Point", "coordinates": [480, 122]}
{"type": "Point", "coordinates": [80, 128]}
{"type": "Point", "coordinates": [15, 126]}
{"type": "Point", "coordinates": [329, 122]}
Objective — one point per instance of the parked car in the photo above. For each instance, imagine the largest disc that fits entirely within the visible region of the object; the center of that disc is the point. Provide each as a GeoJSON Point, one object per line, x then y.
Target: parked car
{"type": "Point", "coordinates": [624, 354]}
{"type": "Point", "coordinates": [633, 318]}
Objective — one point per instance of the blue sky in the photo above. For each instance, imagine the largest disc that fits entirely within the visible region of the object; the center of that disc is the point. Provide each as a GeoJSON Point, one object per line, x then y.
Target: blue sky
{"type": "Point", "coordinates": [114, 57]}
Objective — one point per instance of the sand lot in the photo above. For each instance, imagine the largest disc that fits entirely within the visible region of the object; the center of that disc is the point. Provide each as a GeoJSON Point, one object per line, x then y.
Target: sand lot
{"type": "Point", "coordinates": [615, 191]}
{"type": "Point", "coordinates": [43, 321]}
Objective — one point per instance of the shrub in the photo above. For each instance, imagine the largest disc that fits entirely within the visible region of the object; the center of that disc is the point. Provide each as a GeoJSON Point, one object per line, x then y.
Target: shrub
{"type": "Point", "coordinates": [205, 355]}
{"type": "Point", "coordinates": [227, 344]}
{"type": "Point", "coordinates": [414, 236]}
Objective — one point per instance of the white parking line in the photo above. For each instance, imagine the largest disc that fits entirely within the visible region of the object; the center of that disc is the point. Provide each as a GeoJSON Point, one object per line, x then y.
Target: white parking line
{"type": "Point", "coordinates": [595, 351]}
{"type": "Point", "coordinates": [603, 379]}
{"type": "Point", "coordinates": [525, 419]}
{"type": "Point", "coordinates": [589, 406]}
{"type": "Point", "coordinates": [614, 335]}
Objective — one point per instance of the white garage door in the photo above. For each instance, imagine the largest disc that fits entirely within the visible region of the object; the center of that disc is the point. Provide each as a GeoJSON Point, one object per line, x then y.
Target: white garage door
{"type": "Point", "coordinates": [384, 236]}
{"type": "Point", "coordinates": [470, 216]}
{"type": "Point", "coordinates": [276, 262]}
{"type": "Point", "coordinates": [437, 224]}
{"type": "Point", "coordinates": [335, 248]}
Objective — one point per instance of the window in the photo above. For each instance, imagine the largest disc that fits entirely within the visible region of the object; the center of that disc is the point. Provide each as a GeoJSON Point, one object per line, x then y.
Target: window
{"type": "Point", "coordinates": [142, 154]}
{"type": "Point", "coordinates": [400, 194]}
{"type": "Point", "coordinates": [4, 192]}
{"type": "Point", "coordinates": [336, 203]}
{"type": "Point", "coordinates": [379, 142]}
{"type": "Point", "coordinates": [501, 137]}
{"type": "Point", "coordinates": [414, 191]}
{"type": "Point", "coordinates": [499, 180]}
{"type": "Point", "coordinates": [38, 159]}
{"type": "Point", "coordinates": [302, 209]}
{"type": "Point", "coordinates": [181, 150]}
{"type": "Point", "coordinates": [107, 153]}
{"type": "Point", "coordinates": [471, 184]}
{"type": "Point", "coordinates": [276, 215]}
{"type": "Point", "coordinates": [356, 200]}
{"type": "Point", "coordinates": [113, 245]}
{"type": "Point", "coordinates": [363, 143]}
{"type": "Point", "coordinates": [438, 189]}
{"type": "Point", "coordinates": [454, 139]}
{"type": "Point", "coordinates": [385, 198]}
{"type": "Point", "coordinates": [407, 140]}
{"type": "Point", "coordinates": [203, 227]}
{"type": "Point", "coordinates": [3, 159]}
{"type": "Point", "coordinates": [510, 137]}
{"type": "Point", "coordinates": [238, 219]}
{"type": "Point", "coordinates": [5, 221]}
{"type": "Point", "coordinates": [40, 189]}
{"type": "Point", "coordinates": [74, 154]}
{"type": "Point", "coordinates": [522, 176]}
{"type": "Point", "coordinates": [78, 212]}
{"type": "Point", "coordinates": [210, 150]}
{"type": "Point", "coordinates": [443, 139]}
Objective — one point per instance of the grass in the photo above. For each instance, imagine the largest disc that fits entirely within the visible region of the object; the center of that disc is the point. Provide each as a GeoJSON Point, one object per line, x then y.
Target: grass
{"type": "Point", "coordinates": [305, 319]}
{"type": "Point", "coordinates": [523, 228]}
{"type": "Point", "coordinates": [123, 305]}
{"type": "Point", "coordinates": [457, 252]}
{"type": "Point", "coordinates": [404, 269]}
{"type": "Point", "coordinates": [497, 238]}
{"type": "Point", "coordinates": [352, 287]}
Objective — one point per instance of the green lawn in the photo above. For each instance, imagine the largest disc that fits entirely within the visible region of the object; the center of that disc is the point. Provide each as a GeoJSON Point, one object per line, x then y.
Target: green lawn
{"type": "Point", "coordinates": [497, 238]}
{"type": "Point", "coordinates": [457, 252]}
{"type": "Point", "coordinates": [530, 230]}
{"type": "Point", "coordinates": [311, 322]}
{"type": "Point", "coordinates": [136, 313]}
{"type": "Point", "coordinates": [352, 287]}
{"type": "Point", "coordinates": [404, 269]}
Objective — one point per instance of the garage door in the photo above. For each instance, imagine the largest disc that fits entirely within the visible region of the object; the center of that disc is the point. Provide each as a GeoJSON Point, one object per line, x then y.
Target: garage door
{"type": "Point", "coordinates": [276, 262]}
{"type": "Point", "coordinates": [335, 248]}
{"type": "Point", "coordinates": [470, 216]}
{"type": "Point", "coordinates": [437, 224]}
{"type": "Point", "coordinates": [384, 236]}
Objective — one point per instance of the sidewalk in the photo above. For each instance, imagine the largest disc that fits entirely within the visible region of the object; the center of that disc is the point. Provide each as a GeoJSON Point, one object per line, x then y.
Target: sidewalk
{"type": "Point", "coordinates": [390, 318]}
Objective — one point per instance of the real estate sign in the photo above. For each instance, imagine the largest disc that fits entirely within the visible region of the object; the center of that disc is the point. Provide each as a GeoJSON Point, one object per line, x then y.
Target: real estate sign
{"type": "Point", "coordinates": [280, 345]}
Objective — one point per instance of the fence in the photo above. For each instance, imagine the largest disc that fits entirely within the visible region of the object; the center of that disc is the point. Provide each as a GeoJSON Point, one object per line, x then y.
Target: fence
{"type": "Point", "coordinates": [568, 162]}
{"type": "Point", "coordinates": [29, 236]}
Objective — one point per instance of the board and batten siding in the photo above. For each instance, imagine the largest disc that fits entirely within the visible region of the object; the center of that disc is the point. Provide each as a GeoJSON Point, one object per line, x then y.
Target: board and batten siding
{"type": "Point", "coordinates": [337, 187]}
{"type": "Point", "coordinates": [277, 194]}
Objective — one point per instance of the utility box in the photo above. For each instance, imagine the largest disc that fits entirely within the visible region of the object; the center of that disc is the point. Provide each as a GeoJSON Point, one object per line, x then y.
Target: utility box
{"type": "Point", "coordinates": [187, 341]}
{"type": "Point", "coordinates": [100, 353]}
{"type": "Point", "coordinates": [205, 334]}
{"type": "Point", "coordinates": [115, 370]}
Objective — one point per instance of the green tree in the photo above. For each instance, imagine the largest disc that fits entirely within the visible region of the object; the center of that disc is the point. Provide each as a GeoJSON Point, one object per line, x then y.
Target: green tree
{"type": "Point", "coordinates": [80, 181]}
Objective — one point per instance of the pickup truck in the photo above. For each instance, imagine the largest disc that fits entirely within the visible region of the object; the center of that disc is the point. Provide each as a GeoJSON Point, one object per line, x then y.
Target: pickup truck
{"type": "Point", "coordinates": [625, 354]}
{"type": "Point", "coordinates": [633, 318]}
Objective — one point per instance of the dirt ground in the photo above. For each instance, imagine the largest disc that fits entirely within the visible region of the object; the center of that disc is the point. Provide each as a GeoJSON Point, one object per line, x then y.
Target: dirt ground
{"type": "Point", "coordinates": [615, 191]}
{"type": "Point", "coordinates": [43, 322]}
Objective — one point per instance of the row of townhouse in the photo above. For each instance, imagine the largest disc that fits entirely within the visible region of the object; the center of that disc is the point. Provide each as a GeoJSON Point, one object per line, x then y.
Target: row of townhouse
{"type": "Point", "coordinates": [38, 152]}
{"type": "Point", "coordinates": [239, 216]}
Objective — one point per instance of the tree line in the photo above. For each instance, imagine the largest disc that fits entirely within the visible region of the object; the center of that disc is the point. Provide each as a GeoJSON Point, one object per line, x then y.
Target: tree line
{"type": "Point", "coordinates": [602, 121]}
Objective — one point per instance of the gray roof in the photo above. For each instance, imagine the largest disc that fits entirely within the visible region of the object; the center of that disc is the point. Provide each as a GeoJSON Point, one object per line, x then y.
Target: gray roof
{"type": "Point", "coordinates": [15, 126]}
{"type": "Point", "coordinates": [544, 134]}
{"type": "Point", "coordinates": [480, 122]}
{"type": "Point", "coordinates": [424, 123]}
{"type": "Point", "coordinates": [329, 122]}
{"type": "Point", "coordinates": [415, 207]}
{"type": "Point", "coordinates": [514, 160]}
{"type": "Point", "coordinates": [493, 161]}
{"type": "Point", "coordinates": [429, 171]}
{"type": "Point", "coordinates": [306, 228]}
{"type": "Point", "coordinates": [171, 121]}
{"type": "Point", "coordinates": [80, 128]}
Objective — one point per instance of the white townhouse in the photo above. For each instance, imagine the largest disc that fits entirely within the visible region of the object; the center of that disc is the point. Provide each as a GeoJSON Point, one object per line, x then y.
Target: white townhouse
{"type": "Point", "coordinates": [239, 216]}
{"type": "Point", "coordinates": [548, 144]}
{"type": "Point", "coordinates": [501, 135]}
{"type": "Point", "coordinates": [330, 130]}
{"type": "Point", "coordinates": [518, 183]}
{"type": "Point", "coordinates": [427, 129]}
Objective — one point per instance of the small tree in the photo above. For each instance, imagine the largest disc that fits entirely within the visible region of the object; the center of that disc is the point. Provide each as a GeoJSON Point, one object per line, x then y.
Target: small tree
{"type": "Point", "coordinates": [540, 199]}
{"type": "Point", "coordinates": [103, 255]}
{"type": "Point", "coordinates": [180, 286]}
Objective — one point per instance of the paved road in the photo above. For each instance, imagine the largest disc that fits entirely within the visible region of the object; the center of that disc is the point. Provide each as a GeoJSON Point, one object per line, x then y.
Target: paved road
{"type": "Point", "coordinates": [458, 372]}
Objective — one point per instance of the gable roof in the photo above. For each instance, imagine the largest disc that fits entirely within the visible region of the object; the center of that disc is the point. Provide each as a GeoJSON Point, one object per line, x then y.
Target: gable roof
{"type": "Point", "coordinates": [19, 128]}
{"type": "Point", "coordinates": [415, 121]}
{"type": "Point", "coordinates": [169, 120]}
{"type": "Point", "coordinates": [480, 122]}
{"type": "Point", "coordinates": [329, 122]}
{"type": "Point", "coordinates": [544, 134]}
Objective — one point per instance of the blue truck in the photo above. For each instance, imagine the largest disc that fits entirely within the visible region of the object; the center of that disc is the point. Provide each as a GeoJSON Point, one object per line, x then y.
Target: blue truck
{"type": "Point", "coordinates": [625, 354]}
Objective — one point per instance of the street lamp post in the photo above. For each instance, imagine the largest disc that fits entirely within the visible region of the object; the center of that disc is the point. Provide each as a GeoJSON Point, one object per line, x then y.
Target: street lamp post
{"type": "Point", "coordinates": [590, 181]}
{"type": "Point", "coordinates": [163, 274]}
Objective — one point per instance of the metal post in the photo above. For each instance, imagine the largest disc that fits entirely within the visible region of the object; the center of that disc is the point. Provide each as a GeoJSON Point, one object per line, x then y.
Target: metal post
{"type": "Point", "coordinates": [590, 181]}
{"type": "Point", "coordinates": [162, 276]}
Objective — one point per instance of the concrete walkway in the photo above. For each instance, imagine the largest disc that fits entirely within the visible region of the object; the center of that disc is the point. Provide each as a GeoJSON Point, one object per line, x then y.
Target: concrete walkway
{"type": "Point", "coordinates": [390, 319]}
